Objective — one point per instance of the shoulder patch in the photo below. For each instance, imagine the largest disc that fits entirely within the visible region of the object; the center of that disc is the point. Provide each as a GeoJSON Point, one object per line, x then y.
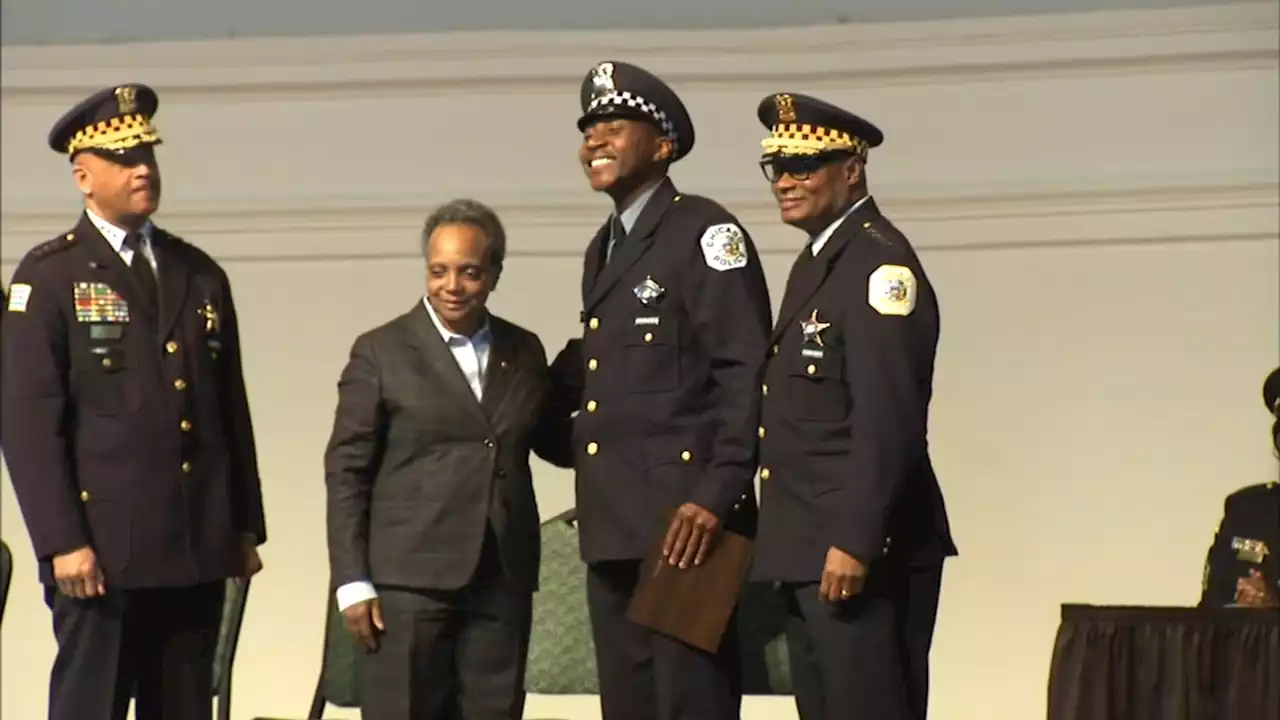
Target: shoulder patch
{"type": "Point", "coordinates": [891, 290]}
{"type": "Point", "coordinates": [724, 247]}
{"type": "Point", "coordinates": [19, 296]}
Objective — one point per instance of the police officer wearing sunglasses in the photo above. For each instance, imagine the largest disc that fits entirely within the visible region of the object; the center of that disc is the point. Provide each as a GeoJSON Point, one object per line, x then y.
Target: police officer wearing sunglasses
{"type": "Point", "coordinates": [853, 528]}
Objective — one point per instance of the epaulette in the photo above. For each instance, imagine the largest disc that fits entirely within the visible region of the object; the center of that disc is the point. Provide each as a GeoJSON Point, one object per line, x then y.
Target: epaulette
{"type": "Point", "coordinates": [1253, 491]}
{"type": "Point", "coordinates": [872, 228]}
{"type": "Point", "coordinates": [51, 247]}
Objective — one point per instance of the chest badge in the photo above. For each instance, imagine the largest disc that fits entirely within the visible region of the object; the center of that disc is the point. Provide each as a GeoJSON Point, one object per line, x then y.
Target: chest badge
{"type": "Point", "coordinates": [813, 327]}
{"type": "Point", "coordinates": [1249, 550]}
{"type": "Point", "coordinates": [649, 293]}
{"type": "Point", "coordinates": [210, 316]}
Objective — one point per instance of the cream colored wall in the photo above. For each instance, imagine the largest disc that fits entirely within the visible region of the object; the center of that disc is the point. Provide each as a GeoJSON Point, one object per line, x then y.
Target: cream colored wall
{"type": "Point", "coordinates": [1095, 198]}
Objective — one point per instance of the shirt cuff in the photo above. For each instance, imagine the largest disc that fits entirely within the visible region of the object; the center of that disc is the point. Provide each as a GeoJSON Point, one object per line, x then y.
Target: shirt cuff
{"type": "Point", "coordinates": [355, 592]}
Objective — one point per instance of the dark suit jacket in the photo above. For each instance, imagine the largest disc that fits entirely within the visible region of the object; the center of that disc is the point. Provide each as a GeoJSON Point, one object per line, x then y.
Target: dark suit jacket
{"type": "Point", "coordinates": [669, 391]}
{"type": "Point", "coordinates": [844, 451]}
{"type": "Point", "coordinates": [1248, 538]}
{"type": "Point", "coordinates": [129, 431]}
{"type": "Point", "coordinates": [416, 466]}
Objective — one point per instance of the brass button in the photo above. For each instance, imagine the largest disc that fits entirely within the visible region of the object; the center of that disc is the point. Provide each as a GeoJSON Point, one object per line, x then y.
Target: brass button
{"type": "Point", "coordinates": [594, 323]}
{"type": "Point", "coordinates": [775, 350]}
{"type": "Point", "coordinates": [84, 496]}
{"type": "Point", "coordinates": [488, 442]}
{"type": "Point", "coordinates": [764, 473]}
{"type": "Point", "coordinates": [760, 431]}
{"type": "Point", "coordinates": [648, 337]}
{"type": "Point", "coordinates": [811, 369]}
{"type": "Point", "coordinates": [592, 364]}
{"type": "Point", "coordinates": [179, 384]}
{"type": "Point", "coordinates": [592, 448]}
{"type": "Point", "coordinates": [106, 362]}
{"type": "Point", "coordinates": [171, 347]}
{"type": "Point", "coordinates": [185, 425]}
{"type": "Point", "coordinates": [686, 456]}
{"type": "Point", "coordinates": [186, 467]}
{"type": "Point", "coordinates": [764, 389]}
{"type": "Point", "coordinates": [592, 405]}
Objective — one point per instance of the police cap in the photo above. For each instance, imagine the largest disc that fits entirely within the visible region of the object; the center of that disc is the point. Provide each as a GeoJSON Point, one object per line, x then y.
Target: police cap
{"type": "Point", "coordinates": [111, 121]}
{"type": "Point", "coordinates": [619, 89]}
{"type": "Point", "coordinates": [803, 125]}
{"type": "Point", "coordinates": [1271, 393]}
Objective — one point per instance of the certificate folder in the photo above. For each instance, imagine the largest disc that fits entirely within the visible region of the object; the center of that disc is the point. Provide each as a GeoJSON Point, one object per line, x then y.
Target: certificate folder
{"type": "Point", "coordinates": [692, 605]}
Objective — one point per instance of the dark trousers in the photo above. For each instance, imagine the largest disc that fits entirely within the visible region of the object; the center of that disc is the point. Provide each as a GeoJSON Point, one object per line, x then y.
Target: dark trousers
{"type": "Point", "coordinates": [868, 656]}
{"type": "Point", "coordinates": [155, 644]}
{"type": "Point", "coordinates": [648, 676]}
{"type": "Point", "coordinates": [451, 654]}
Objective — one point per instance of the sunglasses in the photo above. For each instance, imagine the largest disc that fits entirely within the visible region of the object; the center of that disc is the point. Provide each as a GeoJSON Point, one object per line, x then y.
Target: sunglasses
{"type": "Point", "coordinates": [799, 167]}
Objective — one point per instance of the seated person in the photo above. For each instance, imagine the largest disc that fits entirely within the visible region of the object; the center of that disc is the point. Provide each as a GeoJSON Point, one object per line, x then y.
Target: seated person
{"type": "Point", "coordinates": [1242, 567]}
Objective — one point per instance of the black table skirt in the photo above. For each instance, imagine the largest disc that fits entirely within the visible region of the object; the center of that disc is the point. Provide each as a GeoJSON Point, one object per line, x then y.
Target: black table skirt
{"type": "Point", "coordinates": [1143, 663]}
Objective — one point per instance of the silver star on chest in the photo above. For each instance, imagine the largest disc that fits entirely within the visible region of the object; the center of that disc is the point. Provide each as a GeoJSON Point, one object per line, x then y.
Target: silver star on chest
{"type": "Point", "coordinates": [813, 327]}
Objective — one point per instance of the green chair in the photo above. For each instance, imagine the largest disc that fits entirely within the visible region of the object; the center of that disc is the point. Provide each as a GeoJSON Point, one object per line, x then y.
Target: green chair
{"type": "Point", "coordinates": [339, 682]}
{"type": "Point", "coordinates": [6, 575]}
{"type": "Point", "coordinates": [562, 657]}
{"type": "Point", "coordinates": [233, 605]}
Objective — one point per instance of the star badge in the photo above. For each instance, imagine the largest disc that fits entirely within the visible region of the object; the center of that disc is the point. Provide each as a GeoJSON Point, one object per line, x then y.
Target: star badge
{"type": "Point", "coordinates": [813, 327]}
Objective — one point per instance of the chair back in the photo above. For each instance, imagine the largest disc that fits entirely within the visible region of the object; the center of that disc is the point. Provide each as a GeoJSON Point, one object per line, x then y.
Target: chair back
{"type": "Point", "coordinates": [562, 656]}
{"type": "Point", "coordinates": [235, 598]}
{"type": "Point", "coordinates": [6, 575]}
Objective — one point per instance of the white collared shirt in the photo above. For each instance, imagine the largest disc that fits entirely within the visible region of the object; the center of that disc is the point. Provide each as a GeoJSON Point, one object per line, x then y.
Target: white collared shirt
{"type": "Point", "coordinates": [820, 240]}
{"type": "Point", "coordinates": [472, 356]}
{"type": "Point", "coordinates": [115, 237]}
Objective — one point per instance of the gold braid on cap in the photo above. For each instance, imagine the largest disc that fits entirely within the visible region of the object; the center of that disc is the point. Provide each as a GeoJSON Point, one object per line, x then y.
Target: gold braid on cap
{"type": "Point", "coordinates": [118, 133]}
{"type": "Point", "coordinates": [806, 139]}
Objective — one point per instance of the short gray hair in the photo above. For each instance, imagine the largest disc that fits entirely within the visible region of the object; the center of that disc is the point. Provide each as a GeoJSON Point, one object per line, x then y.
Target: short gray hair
{"type": "Point", "coordinates": [465, 211]}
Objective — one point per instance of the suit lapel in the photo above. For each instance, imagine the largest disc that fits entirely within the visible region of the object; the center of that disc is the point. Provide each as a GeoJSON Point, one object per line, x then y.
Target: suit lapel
{"type": "Point", "coordinates": [431, 347]}
{"type": "Point", "coordinates": [594, 257]}
{"type": "Point", "coordinates": [637, 243]}
{"type": "Point", "coordinates": [808, 273]}
{"type": "Point", "coordinates": [174, 276]}
{"type": "Point", "coordinates": [502, 370]}
{"type": "Point", "coordinates": [111, 269]}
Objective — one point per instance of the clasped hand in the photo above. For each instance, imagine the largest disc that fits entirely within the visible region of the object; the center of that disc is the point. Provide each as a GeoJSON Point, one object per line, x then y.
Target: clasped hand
{"type": "Point", "coordinates": [690, 536]}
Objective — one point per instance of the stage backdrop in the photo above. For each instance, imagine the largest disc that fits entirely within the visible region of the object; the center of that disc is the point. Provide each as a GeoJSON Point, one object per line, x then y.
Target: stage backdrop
{"type": "Point", "coordinates": [1094, 196]}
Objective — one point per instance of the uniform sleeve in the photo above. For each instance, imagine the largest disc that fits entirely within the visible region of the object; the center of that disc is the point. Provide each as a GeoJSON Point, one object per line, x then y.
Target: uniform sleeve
{"type": "Point", "coordinates": [244, 455]}
{"type": "Point", "coordinates": [553, 437]}
{"type": "Point", "coordinates": [729, 307]}
{"type": "Point", "coordinates": [35, 414]}
{"type": "Point", "coordinates": [889, 412]}
{"type": "Point", "coordinates": [351, 463]}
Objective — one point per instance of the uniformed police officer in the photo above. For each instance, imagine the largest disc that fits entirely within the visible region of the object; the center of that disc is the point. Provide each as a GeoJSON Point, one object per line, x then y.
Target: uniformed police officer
{"type": "Point", "coordinates": [1242, 567]}
{"type": "Point", "coordinates": [127, 431]}
{"type": "Point", "coordinates": [676, 314]}
{"type": "Point", "coordinates": [853, 527]}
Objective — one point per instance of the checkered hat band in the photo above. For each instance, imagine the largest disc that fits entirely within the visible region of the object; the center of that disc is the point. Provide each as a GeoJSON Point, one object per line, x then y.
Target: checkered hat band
{"type": "Point", "coordinates": [625, 99]}
{"type": "Point", "coordinates": [803, 138]}
{"type": "Point", "coordinates": [118, 133]}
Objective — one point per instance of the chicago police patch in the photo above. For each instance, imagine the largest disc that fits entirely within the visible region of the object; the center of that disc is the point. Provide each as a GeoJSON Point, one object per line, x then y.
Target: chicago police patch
{"type": "Point", "coordinates": [724, 247]}
{"type": "Point", "coordinates": [892, 290]}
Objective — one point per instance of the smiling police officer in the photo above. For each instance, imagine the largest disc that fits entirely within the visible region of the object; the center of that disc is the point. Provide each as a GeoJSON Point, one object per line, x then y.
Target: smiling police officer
{"type": "Point", "coordinates": [853, 527]}
{"type": "Point", "coordinates": [127, 431]}
{"type": "Point", "coordinates": [676, 315]}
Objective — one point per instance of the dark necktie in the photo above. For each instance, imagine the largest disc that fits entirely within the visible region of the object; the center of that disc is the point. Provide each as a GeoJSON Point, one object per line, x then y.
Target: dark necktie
{"type": "Point", "coordinates": [617, 235]}
{"type": "Point", "coordinates": [141, 268]}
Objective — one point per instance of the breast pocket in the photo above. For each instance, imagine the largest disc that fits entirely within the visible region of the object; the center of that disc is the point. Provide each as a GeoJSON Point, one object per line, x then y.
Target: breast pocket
{"type": "Point", "coordinates": [651, 361]}
{"type": "Point", "coordinates": [108, 382]}
{"type": "Point", "coordinates": [818, 389]}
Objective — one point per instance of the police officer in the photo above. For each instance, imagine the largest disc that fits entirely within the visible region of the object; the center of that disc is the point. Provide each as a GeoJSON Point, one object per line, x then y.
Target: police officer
{"type": "Point", "coordinates": [1242, 567]}
{"type": "Point", "coordinates": [127, 431]}
{"type": "Point", "coordinates": [676, 314]}
{"type": "Point", "coordinates": [853, 528]}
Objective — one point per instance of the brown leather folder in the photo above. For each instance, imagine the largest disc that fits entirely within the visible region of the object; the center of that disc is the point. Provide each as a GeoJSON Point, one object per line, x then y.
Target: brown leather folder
{"type": "Point", "coordinates": [692, 605]}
